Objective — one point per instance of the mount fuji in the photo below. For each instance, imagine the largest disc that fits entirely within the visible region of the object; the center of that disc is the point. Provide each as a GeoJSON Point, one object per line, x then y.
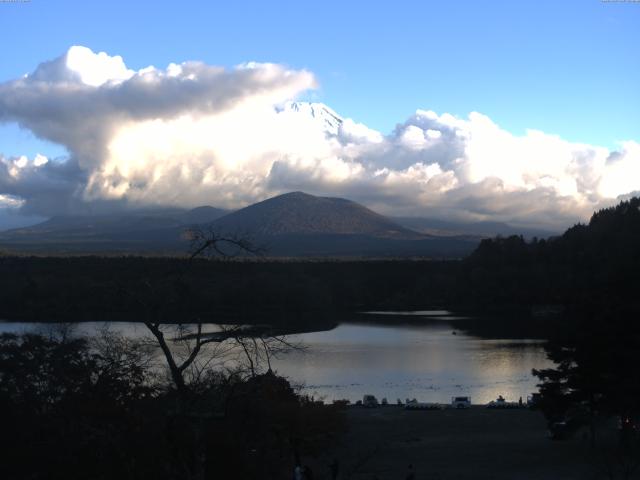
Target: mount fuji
{"type": "Point", "coordinates": [327, 118]}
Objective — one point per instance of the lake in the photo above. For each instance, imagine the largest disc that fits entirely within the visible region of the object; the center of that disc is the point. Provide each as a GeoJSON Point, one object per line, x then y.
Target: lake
{"type": "Point", "coordinates": [430, 361]}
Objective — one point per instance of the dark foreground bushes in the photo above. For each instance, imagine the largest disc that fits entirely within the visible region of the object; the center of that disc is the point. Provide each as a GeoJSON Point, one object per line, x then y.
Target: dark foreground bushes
{"type": "Point", "coordinates": [74, 409]}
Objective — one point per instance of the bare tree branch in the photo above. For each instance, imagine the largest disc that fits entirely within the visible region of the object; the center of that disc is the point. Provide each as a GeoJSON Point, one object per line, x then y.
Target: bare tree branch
{"type": "Point", "coordinates": [257, 345]}
{"type": "Point", "coordinates": [208, 242]}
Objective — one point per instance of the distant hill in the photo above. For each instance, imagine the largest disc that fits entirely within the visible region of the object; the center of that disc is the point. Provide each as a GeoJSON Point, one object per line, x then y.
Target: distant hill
{"type": "Point", "coordinates": [133, 231]}
{"type": "Point", "coordinates": [303, 214]}
{"type": "Point", "coordinates": [106, 224]}
{"type": "Point", "coordinates": [484, 229]}
{"type": "Point", "coordinates": [290, 225]}
{"type": "Point", "coordinates": [201, 215]}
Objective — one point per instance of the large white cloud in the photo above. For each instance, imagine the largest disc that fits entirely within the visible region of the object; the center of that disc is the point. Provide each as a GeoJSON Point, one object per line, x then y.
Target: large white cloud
{"type": "Point", "coordinates": [195, 134]}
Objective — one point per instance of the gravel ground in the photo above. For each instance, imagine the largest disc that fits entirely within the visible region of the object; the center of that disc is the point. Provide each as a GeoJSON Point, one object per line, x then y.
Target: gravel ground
{"type": "Point", "coordinates": [477, 443]}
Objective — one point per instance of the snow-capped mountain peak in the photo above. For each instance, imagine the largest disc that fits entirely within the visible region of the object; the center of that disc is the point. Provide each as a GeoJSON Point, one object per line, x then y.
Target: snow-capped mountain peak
{"type": "Point", "coordinates": [319, 112]}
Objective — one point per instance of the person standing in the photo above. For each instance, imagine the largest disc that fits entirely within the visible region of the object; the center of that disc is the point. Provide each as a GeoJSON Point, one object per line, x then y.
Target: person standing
{"type": "Point", "coordinates": [307, 473]}
{"type": "Point", "coordinates": [334, 467]}
{"type": "Point", "coordinates": [411, 473]}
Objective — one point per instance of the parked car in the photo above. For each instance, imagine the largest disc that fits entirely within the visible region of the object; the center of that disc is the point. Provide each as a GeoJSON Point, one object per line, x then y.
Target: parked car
{"type": "Point", "coordinates": [370, 401]}
{"type": "Point", "coordinates": [460, 402]}
{"type": "Point", "coordinates": [533, 400]}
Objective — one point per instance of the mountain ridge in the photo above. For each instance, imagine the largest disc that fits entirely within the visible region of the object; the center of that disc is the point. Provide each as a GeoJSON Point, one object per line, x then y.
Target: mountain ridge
{"type": "Point", "coordinates": [292, 224]}
{"type": "Point", "coordinates": [134, 220]}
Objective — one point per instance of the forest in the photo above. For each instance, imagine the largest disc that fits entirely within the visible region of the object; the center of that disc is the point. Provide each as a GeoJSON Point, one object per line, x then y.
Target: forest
{"type": "Point", "coordinates": [594, 263]}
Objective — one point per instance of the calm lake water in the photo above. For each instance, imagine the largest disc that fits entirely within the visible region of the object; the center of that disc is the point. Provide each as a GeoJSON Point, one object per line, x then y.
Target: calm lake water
{"type": "Point", "coordinates": [424, 361]}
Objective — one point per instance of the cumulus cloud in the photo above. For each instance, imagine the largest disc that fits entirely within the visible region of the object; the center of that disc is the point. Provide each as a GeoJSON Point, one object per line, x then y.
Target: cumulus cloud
{"type": "Point", "coordinates": [194, 134]}
{"type": "Point", "coordinates": [39, 186]}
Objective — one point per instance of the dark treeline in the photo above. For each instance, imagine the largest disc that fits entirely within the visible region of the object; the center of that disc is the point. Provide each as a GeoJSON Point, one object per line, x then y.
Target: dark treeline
{"type": "Point", "coordinates": [591, 272]}
{"type": "Point", "coordinates": [595, 345]}
{"type": "Point", "coordinates": [597, 262]}
{"type": "Point", "coordinates": [588, 263]}
{"type": "Point", "coordinates": [181, 290]}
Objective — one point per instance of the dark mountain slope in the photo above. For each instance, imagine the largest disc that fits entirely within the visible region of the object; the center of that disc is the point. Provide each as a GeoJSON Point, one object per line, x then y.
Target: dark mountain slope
{"type": "Point", "coordinates": [299, 213]}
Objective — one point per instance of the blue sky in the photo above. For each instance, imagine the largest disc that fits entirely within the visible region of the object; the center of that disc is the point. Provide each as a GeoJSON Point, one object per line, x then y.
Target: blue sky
{"type": "Point", "coordinates": [191, 136]}
{"type": "Point", "coordinates": [570, 68]}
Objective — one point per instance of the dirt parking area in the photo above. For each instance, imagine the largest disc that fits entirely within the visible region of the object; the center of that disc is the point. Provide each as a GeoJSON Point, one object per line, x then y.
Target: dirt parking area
{"type": "Point", "coordinates": [476, 443]}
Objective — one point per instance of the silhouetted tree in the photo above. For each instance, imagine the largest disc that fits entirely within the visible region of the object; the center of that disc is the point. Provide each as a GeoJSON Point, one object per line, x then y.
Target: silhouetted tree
{"type": "Point", "coordinates": [596, 372]}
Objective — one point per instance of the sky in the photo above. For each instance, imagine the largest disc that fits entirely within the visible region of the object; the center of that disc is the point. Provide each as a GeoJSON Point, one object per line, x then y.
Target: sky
{"type": "Point", "coordinates": [486, 78]}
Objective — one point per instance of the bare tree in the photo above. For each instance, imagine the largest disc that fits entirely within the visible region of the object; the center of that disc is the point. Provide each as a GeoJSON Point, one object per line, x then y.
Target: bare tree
{"type": "Point", "coordinates": [178, 367]}
{"type": "Point", "coordinates": [208, 243]}
{"type": "Point", "coordinates": [258, 346]}
{"type": "Point", "coordinates": [189, 350]}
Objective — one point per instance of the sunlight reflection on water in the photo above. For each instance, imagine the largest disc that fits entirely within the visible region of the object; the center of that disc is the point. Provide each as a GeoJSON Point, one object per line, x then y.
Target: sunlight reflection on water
{"type": "Point", "coordinates": [426, 362]}
{"type": "Point", "coordinates": [423, 361]}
